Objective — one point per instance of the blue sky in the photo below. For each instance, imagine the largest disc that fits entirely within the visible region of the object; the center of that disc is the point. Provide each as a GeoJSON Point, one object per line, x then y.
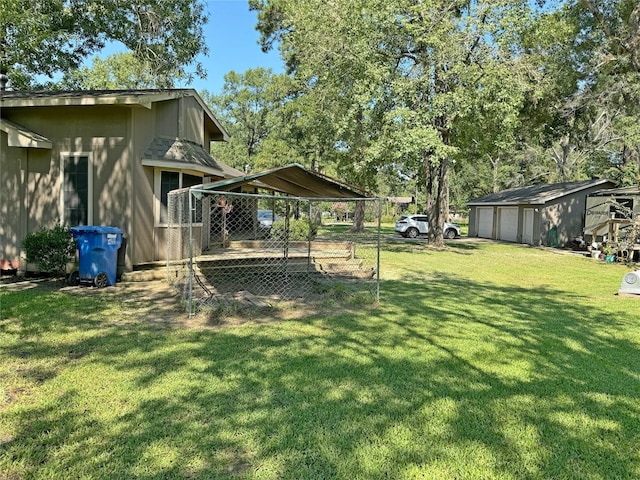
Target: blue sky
{"type": "Point", "coordinates": [233, 44]}
{"type": "Point", "coordinates": [232, 41]}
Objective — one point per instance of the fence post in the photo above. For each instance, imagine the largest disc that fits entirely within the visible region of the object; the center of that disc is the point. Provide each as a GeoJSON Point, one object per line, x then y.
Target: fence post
{"type": "Point", "coordinates": [378, 251]}
{"type": "Point", "coordinates": [190, 300]}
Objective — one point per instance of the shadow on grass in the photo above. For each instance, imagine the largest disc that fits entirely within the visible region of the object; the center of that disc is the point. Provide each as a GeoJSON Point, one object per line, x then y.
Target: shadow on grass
{"type": "Point", "coordinates": [463, 245]}
{"type": "Point", "coordinates": [505, 383]}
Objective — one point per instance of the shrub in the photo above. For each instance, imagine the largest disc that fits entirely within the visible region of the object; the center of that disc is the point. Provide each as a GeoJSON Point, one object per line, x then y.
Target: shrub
{"type": "Point", "coordinates": [298, 230]}
{"type": "Point", "coordinates": [340, 210]}
{"type": "Point", "coordinates": [50, 249]}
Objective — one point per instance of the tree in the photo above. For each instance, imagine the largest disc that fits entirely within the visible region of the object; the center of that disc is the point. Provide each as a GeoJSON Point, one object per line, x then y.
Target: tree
{"type": "Point", "coordinates": [405, 77]}
{"type": "Point", "coordinates": [586, 123]}
{"type": "Point", "coordinates": [118, 71]}
{"type": "Point", "coordinates": [610, 99]}
{"type": "Point", "coordinates": [44, 37]}
{"type": "Point", "coordinates": [337, 107]}
{"type": "Point", "coordinates": [251, 105]}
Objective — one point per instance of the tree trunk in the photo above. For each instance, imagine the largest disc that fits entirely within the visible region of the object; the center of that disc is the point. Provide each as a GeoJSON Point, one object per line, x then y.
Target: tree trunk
{"type": "Point", "coordinates": [428, 169]}
{"type": "Point", "coordinates": [436, 213]}
{"type": "Point", "coordinates": [358, 218]}
{"type": "Point", "coordinates": [495, 164]}
{"type": "Point", "coordinates": [445, 195]}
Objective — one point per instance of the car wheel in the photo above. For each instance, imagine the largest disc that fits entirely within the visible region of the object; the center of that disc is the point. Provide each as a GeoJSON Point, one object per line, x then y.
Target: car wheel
{"type": "Point", "coordinates": [413, 233]}
{"type": "Point", "coordinates": [450, 234]}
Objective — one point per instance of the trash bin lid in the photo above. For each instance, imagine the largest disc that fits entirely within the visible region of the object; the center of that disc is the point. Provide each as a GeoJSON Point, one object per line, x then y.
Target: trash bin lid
{"type": "Point", "coordinates": [82, 229]}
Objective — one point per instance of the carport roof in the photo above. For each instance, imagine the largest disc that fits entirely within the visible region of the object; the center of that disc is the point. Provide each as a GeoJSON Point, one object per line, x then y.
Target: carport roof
{"type": "Point", "coordinates": [292, 179]}
{"type": "Point", "coordinates": [538, 194]}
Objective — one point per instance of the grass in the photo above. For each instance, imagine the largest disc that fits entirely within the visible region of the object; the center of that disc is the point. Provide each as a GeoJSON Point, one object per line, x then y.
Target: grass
{"type": "Point", "coordinates": [482, 361]}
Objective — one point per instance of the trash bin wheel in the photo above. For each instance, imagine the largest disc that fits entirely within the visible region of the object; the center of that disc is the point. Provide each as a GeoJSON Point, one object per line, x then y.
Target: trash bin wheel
{"type": "Point", "coordinates": [101, 280]}
{"type": "Point", "coordinates": [74, 278]}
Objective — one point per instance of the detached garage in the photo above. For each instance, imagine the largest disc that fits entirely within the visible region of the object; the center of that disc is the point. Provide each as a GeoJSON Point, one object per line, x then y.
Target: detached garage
{"type": "Point", "coordinates": [550, 215]}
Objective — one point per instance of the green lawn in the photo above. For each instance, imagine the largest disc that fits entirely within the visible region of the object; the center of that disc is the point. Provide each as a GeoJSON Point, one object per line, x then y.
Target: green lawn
{"type": "Point", "coordinates": [482, 361]}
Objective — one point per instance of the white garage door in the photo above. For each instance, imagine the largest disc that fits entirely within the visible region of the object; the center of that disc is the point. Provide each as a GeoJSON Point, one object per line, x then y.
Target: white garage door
{"type": "Point", "coordinates": [527, 226]}
{"type": "Point", "coordinates": [508, 224]}
{"type": "Point", "coordinates": [485, 222]}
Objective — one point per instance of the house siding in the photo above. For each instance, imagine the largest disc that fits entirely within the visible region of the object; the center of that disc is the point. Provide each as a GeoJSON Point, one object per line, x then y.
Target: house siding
{"type": "Point", "coordinates": [115, 137]}
{"type": "Point", "coordinates": [13, 197]}
{"type": "Point", "coordinates": [192, 118]}
{"type": "Point", "coordinates": [146, 124]}
{"type": "Point", "coordinates": [101, 133]}
{"type": "Point", "coordinates": [166, 118]}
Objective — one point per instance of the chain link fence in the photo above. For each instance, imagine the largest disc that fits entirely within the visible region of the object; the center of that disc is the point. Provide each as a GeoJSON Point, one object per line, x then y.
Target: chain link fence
{"type": "Point", "coordinates": [224, 245]}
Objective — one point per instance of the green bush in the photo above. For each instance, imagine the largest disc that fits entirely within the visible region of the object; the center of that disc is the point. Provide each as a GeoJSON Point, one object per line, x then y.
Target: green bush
{"type": "Point", "coordinates": [298, 230]}
{"type": "Point", "coordinates": [50, 249]}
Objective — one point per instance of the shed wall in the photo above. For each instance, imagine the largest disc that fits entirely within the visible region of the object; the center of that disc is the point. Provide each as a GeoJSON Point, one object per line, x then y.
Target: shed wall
{"type": "Point", "coordinates": [562, 218]}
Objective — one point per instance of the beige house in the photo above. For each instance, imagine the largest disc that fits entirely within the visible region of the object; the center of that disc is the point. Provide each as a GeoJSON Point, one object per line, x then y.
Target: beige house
{"type": "Point", "coordinates": [102, 158]}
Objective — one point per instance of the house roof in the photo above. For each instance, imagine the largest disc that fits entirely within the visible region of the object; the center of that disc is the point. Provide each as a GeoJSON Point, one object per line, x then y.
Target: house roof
{"type": "Point", "coordinates": [19, 136]}
{"type": "Point", "coordinates": [169, 152]}
{"type": "Point", "coordinates": [293, 179]}
{"type": "Point", "coordinates": [537, 194]}
{"type": "Point", "coordinates": [144, 98]}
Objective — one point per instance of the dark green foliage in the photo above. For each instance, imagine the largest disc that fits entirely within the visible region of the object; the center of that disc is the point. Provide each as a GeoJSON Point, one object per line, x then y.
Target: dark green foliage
{"type": "Point", "coordinates": [50, 248]}
{"type": "Point", "coordinates": [298, 230]}
{"type": "Point", "coordinates": [40, 39]}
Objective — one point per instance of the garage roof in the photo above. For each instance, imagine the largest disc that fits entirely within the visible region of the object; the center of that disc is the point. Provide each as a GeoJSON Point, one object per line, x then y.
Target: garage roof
{"type": "Point", "coordinates": [293, 179]}
{"type": "Point", "coordinates": [538, 194]}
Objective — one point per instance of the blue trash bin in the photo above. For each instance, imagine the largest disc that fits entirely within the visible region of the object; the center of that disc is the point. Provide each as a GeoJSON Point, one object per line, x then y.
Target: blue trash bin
{"type": "Point", "coordinates": [98, 253]}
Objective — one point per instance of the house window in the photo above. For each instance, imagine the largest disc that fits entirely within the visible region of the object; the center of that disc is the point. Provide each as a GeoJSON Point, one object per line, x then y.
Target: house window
{"type": "Point", "coordinates": [76, 190]}
{"type": "Point", "coordinates": [168, 180]}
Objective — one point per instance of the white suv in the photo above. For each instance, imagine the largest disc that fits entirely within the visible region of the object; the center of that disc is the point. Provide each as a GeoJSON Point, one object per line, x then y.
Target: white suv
{"type": "Point", "coordinates": [414, 225]}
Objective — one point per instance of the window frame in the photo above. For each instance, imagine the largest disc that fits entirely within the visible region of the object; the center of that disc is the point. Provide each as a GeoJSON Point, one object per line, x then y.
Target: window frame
{"type": "Point", "coordinates": [64, 156]}
{"type": "Point", "coordinates": [157, 190]}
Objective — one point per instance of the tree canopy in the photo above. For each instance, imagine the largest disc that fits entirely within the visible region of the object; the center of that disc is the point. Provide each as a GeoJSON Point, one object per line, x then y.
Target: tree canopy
{"type": "Point", "coordinates": [446, 99]}
{"type": "Point", "coordinates": [407, 81]}
{"type": "Point", "coordinates": [41, 38]}
{"type": "Point", "coordinates": [458, 98]}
